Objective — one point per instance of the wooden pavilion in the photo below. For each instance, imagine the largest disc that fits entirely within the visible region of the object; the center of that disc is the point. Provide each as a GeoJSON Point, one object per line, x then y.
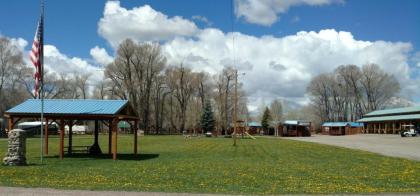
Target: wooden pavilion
{"type": "Point", "coordinates": [69, 111]}
{"type": "Point", "coordinates": [390, 121]}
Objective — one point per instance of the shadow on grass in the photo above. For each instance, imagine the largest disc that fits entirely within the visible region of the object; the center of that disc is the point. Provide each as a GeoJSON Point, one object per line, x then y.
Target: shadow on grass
{"type": "Point", "coordinates": [130, 157]}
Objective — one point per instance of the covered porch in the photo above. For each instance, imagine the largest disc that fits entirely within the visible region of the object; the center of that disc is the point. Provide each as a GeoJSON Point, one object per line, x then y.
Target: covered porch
{"type": "Point", "coordinates": [69, 112]}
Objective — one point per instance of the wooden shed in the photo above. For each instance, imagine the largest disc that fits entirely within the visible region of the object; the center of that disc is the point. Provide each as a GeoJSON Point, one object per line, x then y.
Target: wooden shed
{"type": "Point", "coordinates": [68, 111]}
{"type": "Point", "coordinates": [295, 128]}
{"type": "Point", "coordinates": [254, 128]}
{"type": "Point", "coordinates": [341, 128]}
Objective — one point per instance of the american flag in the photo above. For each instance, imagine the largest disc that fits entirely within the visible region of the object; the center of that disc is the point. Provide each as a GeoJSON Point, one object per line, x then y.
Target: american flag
{"type": "Point", "coordinates": [36, 55]}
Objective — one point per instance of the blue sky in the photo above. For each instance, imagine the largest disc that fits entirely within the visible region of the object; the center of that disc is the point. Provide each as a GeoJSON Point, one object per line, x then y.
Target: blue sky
{"type": "Point", "coordinates": [386, 32]}
{"type": "Point", "coordinates": [72, 25]}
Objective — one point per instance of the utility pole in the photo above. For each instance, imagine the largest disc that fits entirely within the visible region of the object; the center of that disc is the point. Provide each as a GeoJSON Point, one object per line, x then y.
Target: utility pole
{"type": "Point", "coordinates": [235, 108]}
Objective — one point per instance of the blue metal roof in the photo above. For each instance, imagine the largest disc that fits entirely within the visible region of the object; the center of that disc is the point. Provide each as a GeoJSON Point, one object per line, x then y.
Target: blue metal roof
{"type": "Point", "coordinates": [395, 111]}
{"type": "Point", "coordinates": [342, 124]}
{"type": "Point", "coordinates": [296, 122]}
{"type": "Point", "coordinates": [390, 118]}
{"type": "Point", "coordinates": [254, 124]}
{"type": "Point", "coordinates": [70, 106]}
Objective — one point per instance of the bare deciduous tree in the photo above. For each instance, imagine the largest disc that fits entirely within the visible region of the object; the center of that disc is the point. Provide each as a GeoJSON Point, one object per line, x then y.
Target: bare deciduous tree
{"type": "Point", "coordinates": [276, 109]}
{"type": "Point", "coordinates": [180, 81]}
{"type": "Point", "coordinates": [349, 92]}
{"type": "Point", "coordinates": [133, 72]}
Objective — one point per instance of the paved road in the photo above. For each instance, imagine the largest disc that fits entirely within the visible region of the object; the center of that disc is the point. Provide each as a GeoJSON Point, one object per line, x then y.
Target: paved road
{"type": "Point", "coordinates": [389, 145]}
{"type": "Point", "coordinates": [18, 191]}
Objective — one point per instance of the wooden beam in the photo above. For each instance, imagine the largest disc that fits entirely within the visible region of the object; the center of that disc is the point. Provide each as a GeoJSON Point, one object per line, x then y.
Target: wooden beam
{"type": "Point", "coordinates": [70, 149]}
{"type": "Point", "coordinates": [16, 121]}
{"type": "Point", "coordinates": [114, 138]}
{"type": "Point", "coordinates": [61, 148]}
{"type": "Point", "coordinates": [393, 127]}
{"type": "Point", "coordinates": [109, 136]}
{"type": "Point", "coordinates": [105, 122]}
{"type": "Point", "coordinates": [46, 137]}
{"type": "Point", "coordinates": [373, 128]}
{"type": "Point", "coordinates": [10, 124]}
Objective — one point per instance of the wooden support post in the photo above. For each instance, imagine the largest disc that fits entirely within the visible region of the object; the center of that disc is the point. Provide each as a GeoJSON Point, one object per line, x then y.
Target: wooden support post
{"type": "Point", "coordinates": [70, 149]}
{"type": "Point", "coordinates": [114, 138]}
{"type": "Point", "coordinates": [379, 128]}
{"type": "Point", "coordinates": [46, 136]}
{"type": "Point", "coordinates": [61, 148]}
{"type": "Point", "coordinates": [393, 127]}
{"type": "Point", "coordinates": [399, 128]}
{"type": "Point", "coordinates": [109, 136]}
{"type": "Point", "coordinates": [10, 124]}
{"type": "Point", "coordinates": [374, 127]}
{"type": "Point", "coordinates": [135, 137]}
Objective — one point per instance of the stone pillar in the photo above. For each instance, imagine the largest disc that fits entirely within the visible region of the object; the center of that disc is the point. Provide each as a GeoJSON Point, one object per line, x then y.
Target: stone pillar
{"type": "Point", "coordinates": [16, 151]}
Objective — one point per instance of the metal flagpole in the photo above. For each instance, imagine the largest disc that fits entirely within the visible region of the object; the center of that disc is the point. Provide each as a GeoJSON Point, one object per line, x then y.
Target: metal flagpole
{"type": "Point", "coordinates": [42, 79]}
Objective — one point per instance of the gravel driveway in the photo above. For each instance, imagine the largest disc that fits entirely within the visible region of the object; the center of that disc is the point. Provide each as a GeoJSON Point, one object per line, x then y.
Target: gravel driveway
{"type": "Point", "coordinates": [389, 145]}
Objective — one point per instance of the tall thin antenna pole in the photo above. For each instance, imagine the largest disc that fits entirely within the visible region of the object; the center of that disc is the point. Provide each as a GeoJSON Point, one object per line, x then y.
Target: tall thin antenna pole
{"type": "Point", "coordinates": [42, 79]}
{"type": "Point", "coordinates": [235, 109]}
{"type": "Point", "coordinates": [235, 104]}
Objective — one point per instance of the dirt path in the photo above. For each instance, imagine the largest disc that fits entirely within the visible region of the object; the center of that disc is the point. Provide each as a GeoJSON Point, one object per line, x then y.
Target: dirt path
{"type": "Point", "coordinates": [389, 145]}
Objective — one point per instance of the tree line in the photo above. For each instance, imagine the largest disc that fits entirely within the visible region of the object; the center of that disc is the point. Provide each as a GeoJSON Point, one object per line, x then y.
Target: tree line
{"type": "Point", "coordinates": [172, 98]}
{"type": "Point", "coordinates": [169, 98]}
{"type": "Point", "coordinates": [349, 92]}
{"type": "Point", "coordinates": [166, 98]}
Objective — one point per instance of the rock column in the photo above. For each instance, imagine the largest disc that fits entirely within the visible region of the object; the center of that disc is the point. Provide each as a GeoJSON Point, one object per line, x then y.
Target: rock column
{"type": "Point", "coordinates": [16, 152]}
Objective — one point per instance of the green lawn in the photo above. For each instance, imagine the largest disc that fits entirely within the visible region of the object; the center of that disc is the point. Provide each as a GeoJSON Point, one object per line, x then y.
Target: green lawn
{"type": "Point", "coordinates": [213, 165]}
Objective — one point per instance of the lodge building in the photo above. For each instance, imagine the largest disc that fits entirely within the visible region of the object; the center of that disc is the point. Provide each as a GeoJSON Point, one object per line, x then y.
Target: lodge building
{"type": "Point", "coordinates": [390, 121]}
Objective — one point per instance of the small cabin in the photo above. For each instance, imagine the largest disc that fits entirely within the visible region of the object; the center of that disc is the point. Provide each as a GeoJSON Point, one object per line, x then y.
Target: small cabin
{"type": "Point", "coordinates": [341, 128]}
{"type": "Point", "coordinates": [34, 128]}
{"type": "Point", "coordinates": [254, 128]}
{"type": "Point", "coordinates": [295, 128]}
{"type": "Point", "coordinates": [77, 129]}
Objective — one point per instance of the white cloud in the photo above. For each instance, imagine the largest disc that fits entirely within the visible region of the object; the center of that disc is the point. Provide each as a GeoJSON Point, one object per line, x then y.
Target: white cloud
{"type": "Point", "coordinates": [416, 58]}
{"type": "Point", "coordinates": [101, 56]}
{"type": "Point", "coordinates": [281, 67]}
{"type": "Point", "coordinates": [276, 67]}
{"type": "Point", "coordinates": [141, 23]}
{"type": "Point", "coordinates": [56, 62]}
{"type": "Point", "coordinates": [266, 12]}
{"type": "Point", "coordinates": [20, 43]}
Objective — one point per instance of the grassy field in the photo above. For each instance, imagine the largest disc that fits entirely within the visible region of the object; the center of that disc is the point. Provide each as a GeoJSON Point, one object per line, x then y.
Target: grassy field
{"type": "Point", "coordinates": [213, 165]}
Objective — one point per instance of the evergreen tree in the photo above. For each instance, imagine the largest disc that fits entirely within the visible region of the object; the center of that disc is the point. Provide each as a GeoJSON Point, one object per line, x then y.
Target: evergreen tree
{"type": "Point", "coordinates": [207, 119]}
{"type": "Point", "coordinates": [266, 118]}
